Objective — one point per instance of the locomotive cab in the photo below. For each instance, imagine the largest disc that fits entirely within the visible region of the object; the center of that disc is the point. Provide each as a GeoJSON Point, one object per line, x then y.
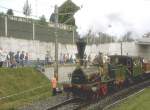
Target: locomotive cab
{"type": "Point", "coordinates": [125, 69]}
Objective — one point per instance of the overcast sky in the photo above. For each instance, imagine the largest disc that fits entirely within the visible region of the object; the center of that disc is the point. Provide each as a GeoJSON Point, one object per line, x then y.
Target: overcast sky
{"type": "Point", "coordinates": [39, 7]}
{"type": "Point", "coordinates": [114, 17]}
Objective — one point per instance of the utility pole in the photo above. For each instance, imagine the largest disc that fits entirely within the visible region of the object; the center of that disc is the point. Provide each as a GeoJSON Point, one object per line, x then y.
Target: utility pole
{"type": "Point", "coordinates": [6, 28]}
{"type": "Point", "coordinates": [56, 42]}
{"type": "Point", "coordinates": [33, 25]}
{"type": "Point", "coordinates": [121, 48]}
{"type": "Point", "coordinates": [73, 35]}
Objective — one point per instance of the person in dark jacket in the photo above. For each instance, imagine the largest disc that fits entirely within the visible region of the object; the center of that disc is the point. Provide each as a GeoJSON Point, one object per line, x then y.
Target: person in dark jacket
{"type": "Point", "coordinates": [22, 59]}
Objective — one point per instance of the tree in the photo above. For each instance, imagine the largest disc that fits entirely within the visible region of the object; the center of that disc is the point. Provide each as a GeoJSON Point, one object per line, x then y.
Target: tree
{"type": "Point", "coordinates": [27, 8]}
{"type": "Point", "coordinates": [52, 17]}
{"type": "Point", "coordinates": [10, 12]}
{"type": "Point", "coordinates": [127, 37]}
{"type": "Point", "coordinates": [67, 7]}
{"type": "Point", "coordinates": [42, 20]}
{"type": "Point", "coordinates": [2, 13]}
{"type": "Point", "coordinates": [99, 38]}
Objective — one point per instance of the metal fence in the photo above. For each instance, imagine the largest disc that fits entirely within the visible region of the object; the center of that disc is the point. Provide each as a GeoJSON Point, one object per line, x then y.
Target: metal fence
{"type": "Point", "coordinates": [26, 28]}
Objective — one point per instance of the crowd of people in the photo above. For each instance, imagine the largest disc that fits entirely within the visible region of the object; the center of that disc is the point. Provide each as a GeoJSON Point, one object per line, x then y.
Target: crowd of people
{"type": "Point", "coordinates": [66, 58]}
{"type": "Point", "coordinates": [21, 59]}
{"type": "Point", "coordinates": [13, 59]}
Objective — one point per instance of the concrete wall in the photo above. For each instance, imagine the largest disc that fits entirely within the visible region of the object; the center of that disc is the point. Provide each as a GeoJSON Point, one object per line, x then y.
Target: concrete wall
{"type": "Point", "coordinates": [63, 72]}
{"type": "Point", "coordinates": [37, 49]}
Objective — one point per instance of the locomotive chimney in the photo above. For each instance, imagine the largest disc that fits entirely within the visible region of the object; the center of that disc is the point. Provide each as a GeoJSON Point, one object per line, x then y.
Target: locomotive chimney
{"type": "Point", "coordinates": [81, 44]}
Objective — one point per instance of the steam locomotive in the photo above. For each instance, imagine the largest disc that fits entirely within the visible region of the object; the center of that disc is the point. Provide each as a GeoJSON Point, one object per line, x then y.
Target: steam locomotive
{"type": "Point", "coordinates": [104, 77]}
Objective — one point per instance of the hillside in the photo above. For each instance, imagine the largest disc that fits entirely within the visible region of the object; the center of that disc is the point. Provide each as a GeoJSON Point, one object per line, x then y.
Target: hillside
{"type": "Point", "coordinates": [21, 86]}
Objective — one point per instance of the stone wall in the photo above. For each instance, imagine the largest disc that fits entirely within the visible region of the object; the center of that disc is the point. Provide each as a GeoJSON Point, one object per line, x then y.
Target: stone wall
{"type": "Point", "coordinates": [37, 49]}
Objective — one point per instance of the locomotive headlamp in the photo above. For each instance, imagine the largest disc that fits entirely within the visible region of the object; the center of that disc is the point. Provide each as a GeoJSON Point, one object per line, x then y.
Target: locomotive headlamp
{"type": "Point", "coordinates": [94, 89]}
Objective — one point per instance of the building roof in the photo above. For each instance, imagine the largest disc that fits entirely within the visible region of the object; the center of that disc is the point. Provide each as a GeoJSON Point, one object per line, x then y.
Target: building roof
{"type": "Point", "coordinates": [143, 41]}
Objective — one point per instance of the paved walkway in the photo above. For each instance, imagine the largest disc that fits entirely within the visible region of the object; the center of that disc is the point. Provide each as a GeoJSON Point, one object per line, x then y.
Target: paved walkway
{"type": "Point", "coordinates": [63, 72]}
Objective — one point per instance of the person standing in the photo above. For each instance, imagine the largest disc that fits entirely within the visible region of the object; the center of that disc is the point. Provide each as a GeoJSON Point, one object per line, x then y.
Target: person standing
{"type": "Point", "coordinates": [8, 59]}
{"type": "Point", "coordinates": [17, 58]}
{"type": "Point", "coordinates": [54, 85]}
{"type": "Point", "coordinates": [13, 61]}
{"type": "Point", "coordinates": [26, 59]}
{"type": "Point", "coordinates": [22, 59]}
{"type": "Point", "coordinates": [1, 58]}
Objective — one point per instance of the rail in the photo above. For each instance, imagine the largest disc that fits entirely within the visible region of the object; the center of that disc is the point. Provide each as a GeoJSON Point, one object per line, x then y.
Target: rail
{"type": "Point", "coordinates": [101, 104]}
{"type": "Point", "coordinates": [63, 103]}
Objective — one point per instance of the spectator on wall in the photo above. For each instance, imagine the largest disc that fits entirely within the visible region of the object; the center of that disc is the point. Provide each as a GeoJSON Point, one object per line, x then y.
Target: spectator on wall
{"type": "Point", "coordinates": [22, 59]}
{"type": "Point", "coordinates": [2, 57]}
{"type": "Point", "coordinates": [8, 60]}
{"type": "Point", "coordinates": [13, 61]}
{"type": "Point", "coordinates": [71, 59]}
{"type": "Point", "coordinates": [11, 57]}
{"type": "Point", "coordinates": [46, 58]}
{"type": "Point", "coordinates": [50, 59]}
{"type": "Point", "coordinates": [26, 58]}
{"type": "Point", "coordinates": [17, 58]}
{"type": "Point", "coordinates": [64, 58]}
{"type": "Point", "coordinates": [61, 59]}
{"type": "Point", "coordinates": [67, 58]}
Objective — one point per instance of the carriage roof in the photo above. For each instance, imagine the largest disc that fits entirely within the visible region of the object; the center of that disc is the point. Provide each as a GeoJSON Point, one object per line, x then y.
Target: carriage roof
{"type": "Point", "coordinates": [123, 59]}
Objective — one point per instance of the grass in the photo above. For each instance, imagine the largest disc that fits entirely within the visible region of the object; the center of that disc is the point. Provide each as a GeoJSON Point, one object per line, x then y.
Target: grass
{"type": "Point", "coordinates": [13, 81]}
{"type": "Point", "coordinates": [140, 101]}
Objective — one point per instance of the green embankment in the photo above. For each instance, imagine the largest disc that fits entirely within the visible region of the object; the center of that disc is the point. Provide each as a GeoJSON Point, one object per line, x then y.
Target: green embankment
{"type": "Point", "coordinates": [140, 101]}
{"type": "Point", "coordinates": [19, 80]}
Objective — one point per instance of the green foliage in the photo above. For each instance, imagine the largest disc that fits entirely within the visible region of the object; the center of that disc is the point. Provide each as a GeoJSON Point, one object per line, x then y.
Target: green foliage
{"type": "Point", "coordinates": [10, 12]}
{"type": "Point", "coordinates": [99, 39]}
{"type": "Point", "coordinates": [17, 80]}
{"type": "Point", "coordinates": [1, 13]}
{"type": "Point", "coordinates": [27, 8]}
{"type": "Point", "coordinates": [67, 7]}
{"type": "Point", "coordinates": [42, 20]}
{"type": "Point", "coordinates": [127, 37]}
{"type": "Point", "coordinates": [52, 17]}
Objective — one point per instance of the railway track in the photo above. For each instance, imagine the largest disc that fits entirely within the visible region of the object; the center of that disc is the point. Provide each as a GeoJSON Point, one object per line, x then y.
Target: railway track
{"type": "Point", "coordinates": [70, 104]}
{"type": "Point", "coordinates": [78, 104]}
{"type": "Point", "coordinates": [118, 96]}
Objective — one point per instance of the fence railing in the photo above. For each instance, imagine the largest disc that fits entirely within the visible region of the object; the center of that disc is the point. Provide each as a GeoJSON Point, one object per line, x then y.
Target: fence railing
{"type": "Point", "coordinates": [27, 28]}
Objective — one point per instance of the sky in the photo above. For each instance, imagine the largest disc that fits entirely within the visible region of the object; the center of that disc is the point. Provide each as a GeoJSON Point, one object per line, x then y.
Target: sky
{"type": "Point", "coordinates": [113, 17]}
{"type": "Point", "coordinates": [39, 7]}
